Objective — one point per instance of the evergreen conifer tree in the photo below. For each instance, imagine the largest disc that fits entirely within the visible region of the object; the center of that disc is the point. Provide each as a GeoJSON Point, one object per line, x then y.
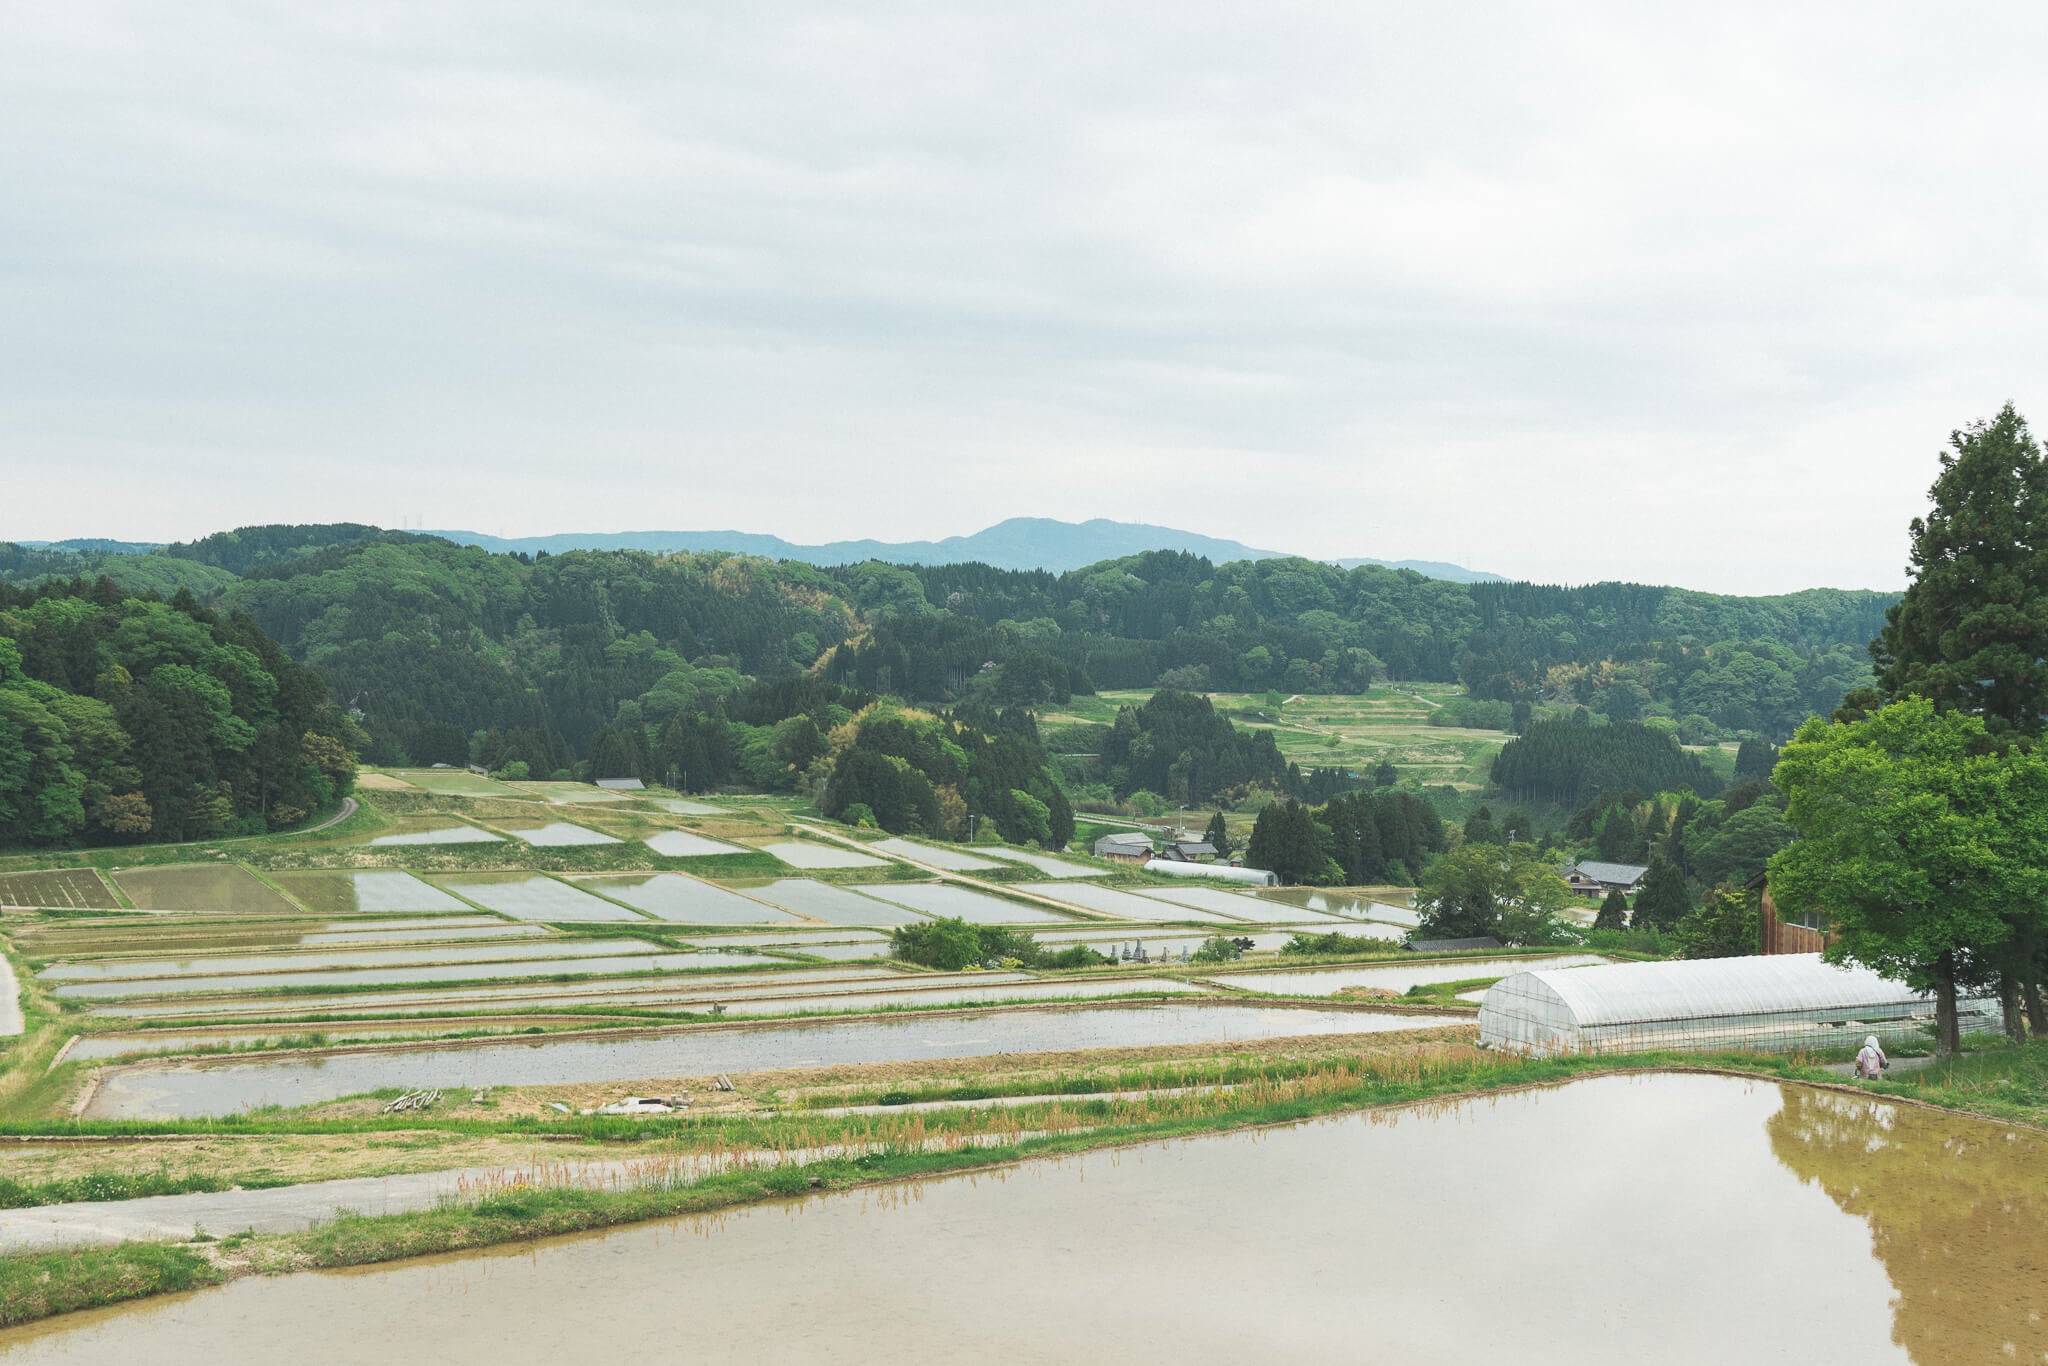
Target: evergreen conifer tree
{"type": "Point", "coordinates": [1217, 837]}
{"type": "Point", "coordinates": [1971, 632]}
{"type": "Point", "coordinates": [1664, 898]}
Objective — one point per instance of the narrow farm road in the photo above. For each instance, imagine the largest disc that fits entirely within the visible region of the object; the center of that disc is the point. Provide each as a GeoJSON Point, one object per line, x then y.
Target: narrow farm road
{"type": "Point", "coordinates": [288, 1209]}
{"type": "Point", "coordinates": [348, 808]}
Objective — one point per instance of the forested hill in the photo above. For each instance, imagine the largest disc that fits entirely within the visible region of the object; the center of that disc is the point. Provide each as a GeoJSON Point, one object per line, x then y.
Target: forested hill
{"type": "Point", "coordinates": [124, 718]}
{"type": "Point", "coordinates": [441, 648]}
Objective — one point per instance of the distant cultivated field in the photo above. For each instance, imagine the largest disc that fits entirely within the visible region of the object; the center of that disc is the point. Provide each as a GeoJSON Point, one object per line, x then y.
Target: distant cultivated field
{"type": "Point", "coordinates": [68, 888]}
{"type": "Point", "coordinates": [1390, 723]}
{"type": "Point", "coordinates": [457, 782]}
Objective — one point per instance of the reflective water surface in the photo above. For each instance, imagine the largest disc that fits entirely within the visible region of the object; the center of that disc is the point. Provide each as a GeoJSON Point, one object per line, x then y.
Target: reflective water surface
{"type": "Point", "coordinates": [192, 1090]}
{"type": "Point", "coordinates": [1672, 1219]}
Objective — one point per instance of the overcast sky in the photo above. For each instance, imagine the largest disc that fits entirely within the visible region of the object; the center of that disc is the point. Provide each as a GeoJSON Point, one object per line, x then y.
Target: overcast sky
{"type": "Point", "coordinates": [1675, 294]}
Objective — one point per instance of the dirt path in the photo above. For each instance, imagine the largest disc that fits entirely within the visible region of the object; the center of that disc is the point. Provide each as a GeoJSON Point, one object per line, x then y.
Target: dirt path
{"type": "Point", "coordinates": [291, 1209]}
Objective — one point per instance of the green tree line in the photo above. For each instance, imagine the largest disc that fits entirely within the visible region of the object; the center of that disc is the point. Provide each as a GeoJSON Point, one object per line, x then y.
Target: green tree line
{"type": "Point", "coordinates": [129, 718]}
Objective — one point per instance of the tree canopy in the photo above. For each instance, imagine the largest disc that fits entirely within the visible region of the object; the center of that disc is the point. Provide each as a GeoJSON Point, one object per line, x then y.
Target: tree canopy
{"type": "Point", "coordinates": [1923, 845]}
{"type": "Point", "coordinates": [125, 718]}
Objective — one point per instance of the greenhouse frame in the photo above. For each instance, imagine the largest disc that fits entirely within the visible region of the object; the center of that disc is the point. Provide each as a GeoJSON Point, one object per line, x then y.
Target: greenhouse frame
{"type": "Point", "coordinates": [1768, 1004]}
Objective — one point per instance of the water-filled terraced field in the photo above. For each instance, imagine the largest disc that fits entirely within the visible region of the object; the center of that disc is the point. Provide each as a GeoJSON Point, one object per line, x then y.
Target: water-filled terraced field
{"type": "Point", "coordinates": [1847, 1229]}
{"type": "Point", "coordinates": [365, 893]}
{"type": "Point", "coordinates": [192, 1090]}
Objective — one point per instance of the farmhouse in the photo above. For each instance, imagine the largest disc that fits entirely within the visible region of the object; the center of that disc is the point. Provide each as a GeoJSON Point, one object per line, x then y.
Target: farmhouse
{"type": "Point", "coordinates": [1125, 846]}
{"type": "Point", "coordinates": [1189, 851]}
{"type": "Point", "coordinates": [1589, 878]}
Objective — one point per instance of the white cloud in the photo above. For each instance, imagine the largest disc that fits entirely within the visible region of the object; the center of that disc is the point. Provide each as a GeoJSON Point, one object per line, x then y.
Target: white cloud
{"type": "Point", "coordinates": [1572, 293]}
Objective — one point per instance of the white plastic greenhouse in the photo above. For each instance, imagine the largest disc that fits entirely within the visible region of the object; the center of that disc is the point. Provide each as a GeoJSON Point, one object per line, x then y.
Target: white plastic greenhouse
{"type": "Point", "coordinates": [1250, 877]}
{"type": "Point", "coordinates": [1774, 1003]}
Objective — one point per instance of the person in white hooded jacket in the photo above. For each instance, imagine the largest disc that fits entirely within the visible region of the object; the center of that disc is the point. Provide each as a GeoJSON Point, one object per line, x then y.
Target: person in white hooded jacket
{"type": "Point", "coordinates": [1871, 1061]}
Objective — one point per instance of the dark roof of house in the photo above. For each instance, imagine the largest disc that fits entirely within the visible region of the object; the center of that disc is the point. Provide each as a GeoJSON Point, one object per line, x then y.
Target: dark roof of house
{"type": "Point", "coordinates": [1194, 848]}
{"type": "Point", "coordinates": [1484, 941]}
{"type": "Point", "coordinates": [1610, 872]}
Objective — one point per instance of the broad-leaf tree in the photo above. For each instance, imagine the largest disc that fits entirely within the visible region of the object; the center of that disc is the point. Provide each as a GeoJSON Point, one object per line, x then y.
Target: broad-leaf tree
{"type": "Point", "coordinates": [1923, 844]}
{"type": "Point", "coordinates": [1484, 889]}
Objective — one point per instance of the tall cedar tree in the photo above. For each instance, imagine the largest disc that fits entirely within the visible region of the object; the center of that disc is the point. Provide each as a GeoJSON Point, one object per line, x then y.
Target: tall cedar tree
{"type": "Point", "coordinates": [1217, 837]}
{"type": "Point", "coordinates": [1284, 842]}
{"type": "Point", "coordinates": [1664, 899]}
{"type": "Point", "coordinates": [1971, 632]}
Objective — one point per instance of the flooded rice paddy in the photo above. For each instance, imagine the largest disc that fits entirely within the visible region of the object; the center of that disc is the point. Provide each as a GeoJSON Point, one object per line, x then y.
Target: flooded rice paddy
{"type": "Point", "coordinates": [952, 860]}
{"type": "Point", "coordinates": [1126, 905]}
{"type": "Point", "coordinates": [435, 832]}
{"type": "Point", "coordinates": [556, 834]}
{"type": "Point", "coordinates": [425, 933]}
{"type": "Point", "coordinates": [834, 905]}
{"type": "Point", "coordinates": [365, 893]}
{"type": "Point", "coordinates": [838, 952]}
{"type": "Point", "coordinates": [683, 844]}
{"type": "Point", "coordinates": [1344, 904]}
{"type": "Point", "coordinates": [1807, 1227]}
{"type": "Point", "coordinates": [672, 896]}
{"type": "Point", "coordinates": [1044, 863]}
{"type": "Point", "coordinates": [805, 854]}
{"type": "Point", "coordinates": [64, 888]}
{"type": "Point", "coordinates": [125, 968]}
{"type": "Point", "coordinates": [976, 908]}
{"type": "Point", "coordinates": [99, 1047]}
{"type": "Point", "coordinates": [196, 1090]}
{"type": "Point", "coordinates": [435, 972]}
{"type": "Point", "coordinates": [786, 979]}
{"type": "Point", "coordinates": [1395, 978]}
{"type": "Point", "coordinates": [220, 888]}
{"type": "Point", "coordinates": [535, 896]}
{"type": "Point", "coordinates": [1236, 905]}
{"type": "Point", "coordinates": [925, 996]}
{"type": "Point", "coordinates": [1177, 941]}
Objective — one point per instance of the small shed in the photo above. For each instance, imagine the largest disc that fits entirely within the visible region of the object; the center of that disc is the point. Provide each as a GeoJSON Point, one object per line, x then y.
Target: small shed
{"type": "Point", "coordinates": [1771, 1004]}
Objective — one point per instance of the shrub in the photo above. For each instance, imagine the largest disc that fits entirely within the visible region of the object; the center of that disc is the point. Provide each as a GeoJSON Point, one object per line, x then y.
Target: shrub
{"type": "Point", "coordinates": [1220, 950]}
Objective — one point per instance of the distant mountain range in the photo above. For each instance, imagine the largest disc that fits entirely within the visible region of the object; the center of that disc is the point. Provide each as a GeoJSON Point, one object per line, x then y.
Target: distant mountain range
{"type": "Point", "coordinates": [1018, 543]}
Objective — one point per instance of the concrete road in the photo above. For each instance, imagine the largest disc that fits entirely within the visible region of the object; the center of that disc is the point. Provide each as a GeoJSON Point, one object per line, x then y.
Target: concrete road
{"type": "Point", "coordinates": [10, 999]}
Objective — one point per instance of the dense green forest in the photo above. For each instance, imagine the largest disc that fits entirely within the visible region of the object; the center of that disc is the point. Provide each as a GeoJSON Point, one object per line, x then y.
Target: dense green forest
{"type": "Point", "coordinates": [712, 669]}
{"type": "Point", "coordinates": [1715, 665]}
{"type": "Point", "coordinates": [126, 718]}
{"type": "Point", "coordinates": [1569, 761]}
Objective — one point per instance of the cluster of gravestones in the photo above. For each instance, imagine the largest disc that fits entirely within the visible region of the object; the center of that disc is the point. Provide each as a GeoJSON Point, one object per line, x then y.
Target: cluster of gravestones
{"type": "Point", "coordinates": [1135, 952]}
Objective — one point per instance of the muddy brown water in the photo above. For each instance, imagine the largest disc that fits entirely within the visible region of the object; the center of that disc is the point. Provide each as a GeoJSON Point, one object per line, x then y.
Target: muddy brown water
{"type": "Point", "coordinates": [1723, 1221]}
{"type": "Point", "coordinates": [197, 1090]}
